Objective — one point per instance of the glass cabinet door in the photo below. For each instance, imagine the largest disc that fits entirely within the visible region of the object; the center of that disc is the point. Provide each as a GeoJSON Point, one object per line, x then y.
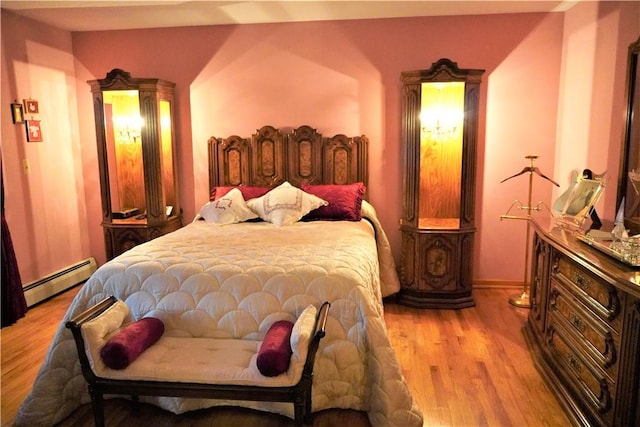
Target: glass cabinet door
{"type": "Point", "coordinates": [137, 161]}
{"type": "Point", "coordinates": [166, 146]}
{"type": "Point", "coordinates": [123, 125]}
{"type": "Point", "coordinates": [441, 121]}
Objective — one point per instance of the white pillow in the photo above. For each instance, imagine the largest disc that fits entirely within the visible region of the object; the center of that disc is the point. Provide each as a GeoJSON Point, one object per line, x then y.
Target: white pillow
{"type": "Point", "coordinates": [97, 332]}
{"type": "Point", "coordinates": [302, 330]}
{"type": "Point", "coordinates": [285, 205]}
{"type": "Point", "coordinates": [228, 209]}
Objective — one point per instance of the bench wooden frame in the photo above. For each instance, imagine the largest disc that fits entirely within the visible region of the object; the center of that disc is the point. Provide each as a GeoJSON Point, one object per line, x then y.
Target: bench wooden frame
{"type": "Point", "coordinates": [298, 394]}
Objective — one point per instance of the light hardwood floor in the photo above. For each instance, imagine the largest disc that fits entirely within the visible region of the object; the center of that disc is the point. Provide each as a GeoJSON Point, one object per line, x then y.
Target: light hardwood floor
{"type": "Point", "coordinates": [468, 367]}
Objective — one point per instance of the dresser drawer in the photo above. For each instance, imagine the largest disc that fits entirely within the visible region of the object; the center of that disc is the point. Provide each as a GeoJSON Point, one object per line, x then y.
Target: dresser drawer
{"type": "Point", "coordinates": [585, 336]}
{"type": "Point", "coordinates": [601, 297]}
{"type": "Point", "coordinates": [591, 385]}
{"type": "Point", "coordinates": [598, 340]}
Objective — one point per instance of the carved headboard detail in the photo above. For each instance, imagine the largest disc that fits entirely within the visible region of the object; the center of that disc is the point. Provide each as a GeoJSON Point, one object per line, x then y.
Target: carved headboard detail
{"type": "Point", "coordinates": [270, 157]}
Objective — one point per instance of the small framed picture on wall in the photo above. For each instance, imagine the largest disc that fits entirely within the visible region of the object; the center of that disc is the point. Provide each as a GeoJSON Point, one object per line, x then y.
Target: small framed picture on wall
{"type": "Point", "coordinates": [34, 131]}
{"type": "Point", "coordinates": [16, 112]}
{"type": "Point", "coordinates": [31, 106]}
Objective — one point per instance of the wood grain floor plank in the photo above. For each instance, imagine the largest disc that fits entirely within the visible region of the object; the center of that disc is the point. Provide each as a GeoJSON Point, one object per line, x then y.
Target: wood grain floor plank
{"type": "Point", "coordinates": [468, 367]}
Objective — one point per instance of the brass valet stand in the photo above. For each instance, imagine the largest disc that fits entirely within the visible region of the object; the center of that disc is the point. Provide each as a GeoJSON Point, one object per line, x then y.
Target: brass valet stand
{"type": "Point", "coordinates": [522, 299]}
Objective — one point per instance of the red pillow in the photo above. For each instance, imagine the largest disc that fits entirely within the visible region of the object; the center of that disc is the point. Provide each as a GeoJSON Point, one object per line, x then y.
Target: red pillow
{"type": "Point", "coordinates": [247, 192]}
{"type": "Point", "coordinates": [129, 343]}
{"type": "Point", "coordinates": [345, 201]}
{"type": "Point", "coordinates": [275, 351]}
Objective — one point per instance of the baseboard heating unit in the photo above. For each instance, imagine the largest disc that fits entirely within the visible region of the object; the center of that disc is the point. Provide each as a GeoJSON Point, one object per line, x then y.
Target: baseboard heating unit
{"type": "Point", "coordinates": [59, 281]}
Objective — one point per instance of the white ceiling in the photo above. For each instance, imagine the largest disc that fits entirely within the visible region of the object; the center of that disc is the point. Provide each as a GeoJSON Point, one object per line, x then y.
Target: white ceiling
{"type": "Point", "coordinates": [76, 15]}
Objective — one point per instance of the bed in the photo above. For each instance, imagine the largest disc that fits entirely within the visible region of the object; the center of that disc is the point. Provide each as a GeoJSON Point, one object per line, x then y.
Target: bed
{"type": "Point", "coordinates": [229, 274]}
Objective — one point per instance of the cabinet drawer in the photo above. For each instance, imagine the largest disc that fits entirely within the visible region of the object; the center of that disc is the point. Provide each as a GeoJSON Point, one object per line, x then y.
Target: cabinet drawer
{"type": "Point", "coordinates": [594, 388]}
{"type": "Point", "coordinates": [599, 341]}
{"type": "Point", "coordinates": [601, 297]}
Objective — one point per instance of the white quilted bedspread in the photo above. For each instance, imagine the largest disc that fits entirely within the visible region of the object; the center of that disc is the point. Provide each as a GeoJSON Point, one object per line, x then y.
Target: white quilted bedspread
{"type": "Point", "coordinates": [234, 281]}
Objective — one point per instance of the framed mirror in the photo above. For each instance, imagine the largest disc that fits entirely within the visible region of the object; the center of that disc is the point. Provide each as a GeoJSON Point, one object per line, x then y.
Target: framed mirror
{"type": "Point", "coordinates": [581, 198]}
{"type": "Point", "coordinates": [628, 198]}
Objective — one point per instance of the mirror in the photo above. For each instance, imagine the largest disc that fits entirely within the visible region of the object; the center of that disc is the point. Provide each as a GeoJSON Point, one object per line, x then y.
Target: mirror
{"type": "Point", "coordinates": [579, 200]}
{"type": "Point", "coordinates": [629, 180]}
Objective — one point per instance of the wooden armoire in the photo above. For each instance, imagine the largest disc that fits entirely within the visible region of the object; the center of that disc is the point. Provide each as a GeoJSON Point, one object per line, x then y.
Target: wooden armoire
{"type": "Point", "coordinates": [137, 159]}
{"type": "Point", "coordinates": [439, 138]}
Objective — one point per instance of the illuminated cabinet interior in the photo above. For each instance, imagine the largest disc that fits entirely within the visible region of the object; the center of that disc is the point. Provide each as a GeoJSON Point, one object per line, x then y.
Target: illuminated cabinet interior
{"type": "Point", "coordinates": [439, 138]}
{"type": "Point", "coordinates": [136, 159]}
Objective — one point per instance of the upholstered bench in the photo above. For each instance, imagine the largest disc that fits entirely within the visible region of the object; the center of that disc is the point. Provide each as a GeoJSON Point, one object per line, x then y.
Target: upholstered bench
{"type": "Point", "coordinates": [196, 367]}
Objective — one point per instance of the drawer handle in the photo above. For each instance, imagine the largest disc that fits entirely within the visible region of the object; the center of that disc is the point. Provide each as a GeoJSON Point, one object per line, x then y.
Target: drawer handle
{"type": "Point", "coordinates": [553, 297]}
{"type": "Point", "coordinates": [582, 281]}
{"type": "Point", "coordinates": [609, 351]}
{"type": "Point", "coordinates": [577, 323]}
{"type": "Point", "coordinates": [549, 335]}
{"type": "Point", "coordinates": [604, 400]}
{"type": "Point", "coordinates": [575, 363]}
{"type": "Point", "coordinates": [614, 304]}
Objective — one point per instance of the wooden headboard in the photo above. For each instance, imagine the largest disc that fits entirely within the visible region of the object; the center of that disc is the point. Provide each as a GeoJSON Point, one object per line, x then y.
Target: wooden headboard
{"type": "Point", "coordinates": [270, 157]}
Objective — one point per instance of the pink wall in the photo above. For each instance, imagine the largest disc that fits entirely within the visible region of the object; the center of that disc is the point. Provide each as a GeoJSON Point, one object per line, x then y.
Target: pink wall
{"type": "Point", "coordinates": [596, 39]}
{"type": "Point", "coordinates": [45, 208]}
{"type": "Point", "coordinates": [343, 76]}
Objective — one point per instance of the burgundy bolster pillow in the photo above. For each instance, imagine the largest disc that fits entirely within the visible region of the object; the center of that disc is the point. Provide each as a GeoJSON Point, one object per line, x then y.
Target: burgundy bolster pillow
{"type": "Point", "coordinates": [275, 351]}
{"type": "Point", "coordinates": [129, 343]}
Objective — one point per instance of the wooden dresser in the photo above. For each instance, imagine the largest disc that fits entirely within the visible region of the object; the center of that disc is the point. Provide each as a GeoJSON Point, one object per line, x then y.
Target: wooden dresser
{"type": "Point", "coordinates": [584, 328]}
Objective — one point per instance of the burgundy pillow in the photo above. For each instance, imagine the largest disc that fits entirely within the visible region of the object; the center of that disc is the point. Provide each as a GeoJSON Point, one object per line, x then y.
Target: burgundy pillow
{"type": "Point", "coordinates": [275, 351]}
{"type": "Point", "coordinates": [129, 343]}
{"type": "Point", "coordinates": [247, 192]}
{"type": "Point", "coordinates": [345, 201]}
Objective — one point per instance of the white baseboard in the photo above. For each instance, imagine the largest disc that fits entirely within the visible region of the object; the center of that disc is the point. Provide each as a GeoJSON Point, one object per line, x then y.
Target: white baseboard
{"type": "Point", "coordinates": [58, 281]}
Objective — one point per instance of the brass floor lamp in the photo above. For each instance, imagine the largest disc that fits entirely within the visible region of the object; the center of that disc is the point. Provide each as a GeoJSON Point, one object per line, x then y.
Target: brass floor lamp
{"type": "Point", "coordinates": [523, 299]}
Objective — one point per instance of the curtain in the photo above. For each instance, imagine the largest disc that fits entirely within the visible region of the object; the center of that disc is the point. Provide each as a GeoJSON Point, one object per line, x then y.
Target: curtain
{"type": "Point", "coordinates": [14, 305]}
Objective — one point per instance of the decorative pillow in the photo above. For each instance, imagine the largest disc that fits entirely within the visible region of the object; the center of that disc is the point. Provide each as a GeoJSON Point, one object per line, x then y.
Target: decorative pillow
{"type": "Point", "coordinates": [228, 209]}
{"type": "Point", "coordinates": [98, 330]}
{"type": "Point", "coordinates": [275, 351]}
{"type": "Point", "coordinates": [129, 343]}
{"type": "Point", "coordinates": [345, 201]}
{"type": "Point", "coordinates": [247, 192]}
{"type": "Point", "coordinates": [300, 336]}
{"type": "Point", "coordinates": [284, 205]}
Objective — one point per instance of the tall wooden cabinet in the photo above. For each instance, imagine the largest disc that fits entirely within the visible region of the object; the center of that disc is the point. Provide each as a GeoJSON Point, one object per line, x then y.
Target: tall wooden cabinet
{"type": "Point", "coordinates": [439, 136]}
{"type": "Point", "coordinates": [584, 328]}
{"type": "Point", "coordinates": [137, 159]}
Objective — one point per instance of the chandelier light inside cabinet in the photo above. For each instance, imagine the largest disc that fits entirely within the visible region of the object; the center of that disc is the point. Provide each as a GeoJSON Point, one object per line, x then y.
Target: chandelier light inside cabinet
{"type": "Point", "coordinates": [136, 159]}
{"type": "Point", "coordinates": [439, 138]}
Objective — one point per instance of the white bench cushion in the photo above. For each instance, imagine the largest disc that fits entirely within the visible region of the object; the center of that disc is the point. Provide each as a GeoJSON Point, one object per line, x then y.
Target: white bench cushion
{"type": "Point", "coordinates": [197, 360]}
